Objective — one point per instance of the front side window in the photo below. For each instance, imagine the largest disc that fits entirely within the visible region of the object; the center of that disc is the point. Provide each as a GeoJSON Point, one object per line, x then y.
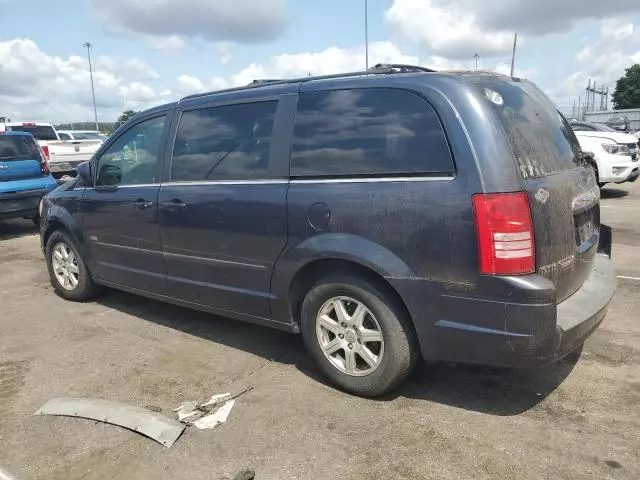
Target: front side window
{"type": "Point", "coordinates": [229, 142]}
{"type": "Point", "coordinates": [367, 132]}
{"type": "Point", "coordinates": [64, 136]}
{"type": "Point", "coordinates": [134, 158]}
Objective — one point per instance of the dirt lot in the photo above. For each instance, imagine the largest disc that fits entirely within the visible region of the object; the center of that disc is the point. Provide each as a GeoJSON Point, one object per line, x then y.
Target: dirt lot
{"type": "Point", "coordinates": [572, 420]}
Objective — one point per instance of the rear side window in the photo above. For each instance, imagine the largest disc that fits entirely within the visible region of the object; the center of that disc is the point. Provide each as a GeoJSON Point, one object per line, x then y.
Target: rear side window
{"type": "Point", "coordinates": [367, 132]}
{"type": "Point", "coordinates": [542, 140]}
{"type": "Point", "coordinates": [18, 147]}
{"type": "Point", "coordinates": [230, 142]}
{"type": "Point", "coordinates": [39, 132]}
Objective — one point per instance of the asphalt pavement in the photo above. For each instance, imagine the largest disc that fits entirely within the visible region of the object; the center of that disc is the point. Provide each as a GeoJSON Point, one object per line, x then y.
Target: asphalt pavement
{"type": "Point", "coordinates": [579, 419]}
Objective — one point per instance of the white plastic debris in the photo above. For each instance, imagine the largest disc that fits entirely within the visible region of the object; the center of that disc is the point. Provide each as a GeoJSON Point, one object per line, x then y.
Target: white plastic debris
{"type": "Point", "coordinates": [217, 418]}
{"type": "Point", "coordinates": [186, 410]}
{"type": "Point", "coordinates": [215, 398]}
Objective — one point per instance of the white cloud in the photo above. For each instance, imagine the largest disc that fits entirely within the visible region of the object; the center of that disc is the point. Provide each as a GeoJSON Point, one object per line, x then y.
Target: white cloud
{"type": "Point", "coordinates": [140, 69]}
{"type": "Point", "coordinates": [39, 86]}
{"type": "Point", "coordinates": [189, 84]}
{"type": "Point", "coordinates": [246, 21]}
{"type": "Point", "coordinates": [464, 27]}
{"type": "Point", "coordinates": [603, 61]}
{"type": "Point", "coordinates": [449, 30]}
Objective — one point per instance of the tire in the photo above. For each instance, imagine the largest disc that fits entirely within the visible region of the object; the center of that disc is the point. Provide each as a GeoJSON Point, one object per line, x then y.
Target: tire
{"type": "Point", "coordinates": [395, 357]}
{"type": "Point", "coordinates": [84, 287]}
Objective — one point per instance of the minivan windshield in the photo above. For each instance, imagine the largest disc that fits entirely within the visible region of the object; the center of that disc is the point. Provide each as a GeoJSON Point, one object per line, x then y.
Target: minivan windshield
{"type": "Point", "coordinates": [542, 140]}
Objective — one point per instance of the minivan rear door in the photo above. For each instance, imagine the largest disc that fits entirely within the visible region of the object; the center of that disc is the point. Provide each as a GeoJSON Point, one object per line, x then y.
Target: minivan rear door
{"type": "Point", "coordinates": [563, 193]}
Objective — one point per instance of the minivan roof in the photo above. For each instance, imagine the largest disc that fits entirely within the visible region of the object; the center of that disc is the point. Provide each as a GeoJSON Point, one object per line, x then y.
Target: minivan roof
{"type": "Point", "coordinates": [377, 70]}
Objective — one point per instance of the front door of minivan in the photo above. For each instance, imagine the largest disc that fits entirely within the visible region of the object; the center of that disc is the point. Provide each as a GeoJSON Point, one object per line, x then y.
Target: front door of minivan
{"type": "Point", "coordinates": [223, 209]}
{"type": "Point", "coordinates": [119, 213]}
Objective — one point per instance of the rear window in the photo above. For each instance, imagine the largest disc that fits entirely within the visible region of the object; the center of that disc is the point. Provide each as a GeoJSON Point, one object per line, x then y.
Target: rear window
{"type": "Point", "coordinates": [18, 147]}
{"type": "Point", "coordinates": [367, 132]}
{"type": "Point", "coordinates": [542, 140]}
{"type": "Point", "coordinates": [39, 132]}
{"type": "Point", "coordinates": [87, 136]}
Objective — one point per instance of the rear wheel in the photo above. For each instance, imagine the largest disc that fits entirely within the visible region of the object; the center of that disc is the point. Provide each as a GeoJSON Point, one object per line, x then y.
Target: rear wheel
{"type": "Point", "coordinates": [358, 335]}
{"type": "Point", "coordinates": [68, 273]}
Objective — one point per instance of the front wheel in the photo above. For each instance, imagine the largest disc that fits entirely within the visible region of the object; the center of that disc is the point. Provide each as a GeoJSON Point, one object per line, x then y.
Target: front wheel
{"type": "Point", "coordinates": [358, 335]}
{"type": "Point", "coordinates": [68, 273]}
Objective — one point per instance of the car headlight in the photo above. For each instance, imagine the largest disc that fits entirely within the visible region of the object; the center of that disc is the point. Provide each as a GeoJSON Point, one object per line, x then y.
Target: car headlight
{"type": "Point", "coordinates": [616, 149]}
{"type": "Point", "coordinates": [41, 207]}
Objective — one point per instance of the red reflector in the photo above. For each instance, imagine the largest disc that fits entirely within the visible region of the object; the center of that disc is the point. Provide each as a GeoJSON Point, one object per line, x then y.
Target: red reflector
{"type": "Point", "coordinates": [505, 233]}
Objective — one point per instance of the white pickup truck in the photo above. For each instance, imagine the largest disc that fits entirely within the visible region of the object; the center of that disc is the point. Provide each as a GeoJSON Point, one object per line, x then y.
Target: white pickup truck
{"type": "Point", "coordinates": [616, 154]}
{"type": "Point", "coordinates": [63, 155]}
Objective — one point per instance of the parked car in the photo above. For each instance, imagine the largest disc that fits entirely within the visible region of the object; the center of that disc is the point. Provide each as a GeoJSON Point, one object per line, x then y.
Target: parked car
{"type": "Point", "coordinates": [615, 154]}
{"type": "Point", "coordinates": [81, 135]}
{"type": "Point", "coordinates": [24, 176]}
{"type": "Point", "coordinates": [385, 215]}
{"type": "Point", "coordinates": [63, 155]}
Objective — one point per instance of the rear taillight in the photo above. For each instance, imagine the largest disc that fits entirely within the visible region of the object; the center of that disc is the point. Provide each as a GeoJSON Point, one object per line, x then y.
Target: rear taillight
{"type": "Point", "coordinates": [44, 159]}
{"type": "Point", "coordinates": [505, 233]}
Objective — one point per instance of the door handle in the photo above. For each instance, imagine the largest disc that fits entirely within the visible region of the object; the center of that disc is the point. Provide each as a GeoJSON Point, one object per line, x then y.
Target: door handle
{"type": "Point", "coordinates": [173, 203]}
{"type": "Point", "coordinates": [142, 204]}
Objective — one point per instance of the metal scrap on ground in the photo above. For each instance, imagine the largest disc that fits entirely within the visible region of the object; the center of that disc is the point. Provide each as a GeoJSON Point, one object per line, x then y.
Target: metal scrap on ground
{"type": "Point", "coordinates": [211, 413]}
{"type": "Point", "coordinates": [137, 419]}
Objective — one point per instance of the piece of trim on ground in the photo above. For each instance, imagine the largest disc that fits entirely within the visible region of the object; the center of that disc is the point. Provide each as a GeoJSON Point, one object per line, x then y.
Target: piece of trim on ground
{"type": "Point", "coordinates": [137, 419]}
{"type": "Point", "coordinates": [628, 278]}
{"type": "Point", "coordinates": [4, 475]}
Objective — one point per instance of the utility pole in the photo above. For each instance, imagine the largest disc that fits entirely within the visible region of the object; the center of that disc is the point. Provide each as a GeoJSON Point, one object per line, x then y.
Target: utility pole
{"type": "Point", "coordinates": [366, 35]}
{"type": "Point", "coordinates": [476, 56]}
{"type": "Point", "coordinates": [89, 46]}
{"type": "Point", "coordinates": [513, 55]}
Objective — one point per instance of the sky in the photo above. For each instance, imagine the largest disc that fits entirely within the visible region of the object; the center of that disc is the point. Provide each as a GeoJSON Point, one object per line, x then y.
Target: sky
{"type": "Point", "coordinates": [150, 52]}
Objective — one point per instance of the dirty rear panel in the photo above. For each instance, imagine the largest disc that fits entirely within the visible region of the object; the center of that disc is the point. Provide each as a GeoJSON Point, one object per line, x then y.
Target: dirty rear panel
{"type": "Point", "coordinates": [563, 195]}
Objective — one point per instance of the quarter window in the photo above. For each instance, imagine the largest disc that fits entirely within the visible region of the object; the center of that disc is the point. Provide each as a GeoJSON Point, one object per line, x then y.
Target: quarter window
{"type": "Point", "coordinates": [133, 158]}
{"type": "Point", "coordinates": [229, 142]}
{"type": "Point", "coordinates": [367, 132]}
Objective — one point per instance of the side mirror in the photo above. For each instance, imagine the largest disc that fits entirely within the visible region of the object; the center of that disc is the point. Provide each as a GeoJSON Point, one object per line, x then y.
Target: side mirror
{"type": "Point", "coordinates": [110, 175]}
{"type": "Point", "coordinates": [84, 173]}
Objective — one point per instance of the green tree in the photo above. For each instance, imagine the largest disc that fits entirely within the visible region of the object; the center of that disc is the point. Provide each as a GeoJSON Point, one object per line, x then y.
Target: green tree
{"type": "Point", "coordinates": [627, 94]}
{"type": "Point", "coordinates": [126, 116]}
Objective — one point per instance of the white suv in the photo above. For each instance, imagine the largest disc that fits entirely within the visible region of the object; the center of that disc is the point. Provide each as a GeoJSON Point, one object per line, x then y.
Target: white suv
{"type": "Point", "coordinates": [615, 153]}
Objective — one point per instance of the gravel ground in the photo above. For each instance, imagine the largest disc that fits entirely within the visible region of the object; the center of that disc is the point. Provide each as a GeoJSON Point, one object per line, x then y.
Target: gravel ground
{"type": "Point", "coordinates": [577, 419]}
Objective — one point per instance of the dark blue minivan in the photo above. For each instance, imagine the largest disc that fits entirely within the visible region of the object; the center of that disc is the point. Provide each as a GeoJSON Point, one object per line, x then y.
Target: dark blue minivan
{"type": "Point", "coordinates": [24, 176]}
{"type": "Point", "coordinates": [387, 216]}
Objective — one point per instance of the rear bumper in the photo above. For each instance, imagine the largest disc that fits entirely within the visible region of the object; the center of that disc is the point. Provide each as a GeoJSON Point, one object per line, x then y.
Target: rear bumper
{"type": "Point", "coordinates": [529, 329]}
{"type": "Point", "coordinates": [64, 167]}
{"type": "Point", "coordinates": [24, 203]}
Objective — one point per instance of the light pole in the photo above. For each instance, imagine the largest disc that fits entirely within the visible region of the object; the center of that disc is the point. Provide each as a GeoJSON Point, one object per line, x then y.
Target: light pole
{"type": "Point", "coordinates": [89, 46]}
{"type": "Point", "coordinates": [476, 56]}
{"type": "Point", "coordinates": [366, 34]}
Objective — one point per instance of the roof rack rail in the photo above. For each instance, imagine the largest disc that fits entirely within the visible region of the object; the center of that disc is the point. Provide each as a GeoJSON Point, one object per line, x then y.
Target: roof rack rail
{"type": "Point", "coordinates": [378, 69]}
{"type": "Point", "coordinates": [398, 68]}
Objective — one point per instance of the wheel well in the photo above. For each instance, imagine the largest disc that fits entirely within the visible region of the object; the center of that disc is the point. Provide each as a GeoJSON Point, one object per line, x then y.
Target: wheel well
{"type": "Point", "coordinates": [54, 226]}
{"type": "Point", "coordinates": [308, 275]}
